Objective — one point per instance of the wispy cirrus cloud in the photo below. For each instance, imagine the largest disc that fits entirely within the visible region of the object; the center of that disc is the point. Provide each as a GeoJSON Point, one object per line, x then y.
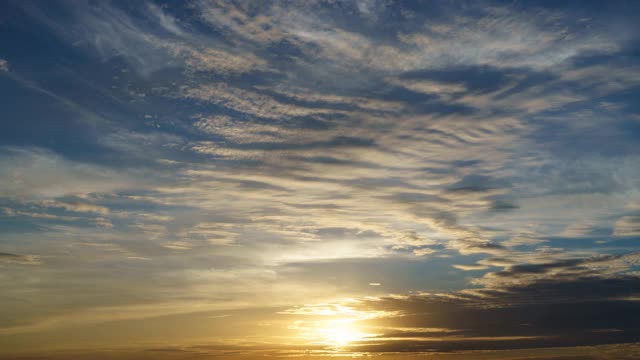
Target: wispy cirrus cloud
{"type": "Point", "coordinates": [34, 172]}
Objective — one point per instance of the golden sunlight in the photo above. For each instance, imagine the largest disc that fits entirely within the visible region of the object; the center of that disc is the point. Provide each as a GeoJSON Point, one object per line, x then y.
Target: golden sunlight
{"type": "Point", "coordinates": [340, 333]}
{"type": "Point", "coordinates": [336, 325]}
{"type": "Point", "coordinates": [334, 333]}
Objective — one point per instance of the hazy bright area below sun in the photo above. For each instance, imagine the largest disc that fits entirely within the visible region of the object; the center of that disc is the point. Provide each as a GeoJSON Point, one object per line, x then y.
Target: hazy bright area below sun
{"type": "Point", "coordinates": [617, 352]}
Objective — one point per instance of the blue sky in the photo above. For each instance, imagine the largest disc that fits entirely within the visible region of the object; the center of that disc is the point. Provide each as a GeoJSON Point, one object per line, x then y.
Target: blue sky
{"type": "Point", "coordinates": [276, 173]}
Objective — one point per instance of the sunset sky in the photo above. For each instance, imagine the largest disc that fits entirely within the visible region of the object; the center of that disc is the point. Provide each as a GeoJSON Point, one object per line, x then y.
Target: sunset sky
{"type": "Point", "coordinates": [318, 179]}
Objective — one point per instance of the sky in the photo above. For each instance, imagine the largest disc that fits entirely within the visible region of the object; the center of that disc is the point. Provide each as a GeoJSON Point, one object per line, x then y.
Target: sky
{"type": "Point", "coordinates": [319, 179]}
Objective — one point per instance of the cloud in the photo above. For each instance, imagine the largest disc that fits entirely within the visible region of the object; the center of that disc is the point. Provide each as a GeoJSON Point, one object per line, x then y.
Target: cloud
{"type": "Point", "coordinates": [34, 172]}
{"type": "Point", "coordinates": [146, 36]}
{"type": "Point", "coordinates": [4, 65]}
{"type": "Point", "coordinates": [166, 21]}
{"type": "Point", "coordinates": [109, 313]}
{"type": "Point", "coordinates": [470, 267]}
{"type": "Point", "coordinates": [19, 259]}
{"type": "Point", "coordinates": [476, 183]}
{"type": "Point", "coordinates": [154, 217]}
{"type": "Point", "coordinates": [76, 206]}
{"type": "Point", "coordinates": [218, 60]}
{"type": "Point", "coordinates": [482, 35]}
{"type": "Point", "coordinates": [103, 222]}
{"type": "Point", "coordinates": [423, 251]}
{"type": "Point", "coordinates": [503, 205]}
{"type": "Point", "coordinates": [247, 351]}
{"type": "Point", "coordinates": [213, 233]}
{"type": "Point", "coordinates": [109, 32]}
{"type": "Point", "coordinates": [178, 245]}
{"type": "Point", "coordinates": [601, 266]}
{"type": "Point", "coordinates": [499, 327]}
{"type": "Point", "coordinates": [37, 215]}
{"type": "Point", "coordinates": [627, 226]}
{"type": "Point", "coordinates": [252, 103]}
{"type": "Point", "coordinates": [576, 302]}
{"type": "Point", "coordinates": [468, 246]}
{"type": "Point", "coordinates": [269, 153]}
{"type": "Point", "coordinates": [430, 87]}
{"type": "Point", "coordinates": [503, 36]}
{"type": "Point", "coordinates": [578, 230]}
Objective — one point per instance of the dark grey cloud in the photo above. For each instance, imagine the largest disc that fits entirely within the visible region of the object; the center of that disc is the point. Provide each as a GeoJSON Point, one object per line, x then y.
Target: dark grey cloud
{"type": "Point", "coordinates": [477, 183]}
{"type": "Point", "coordinates": [503, 205]}
{"type": "Point", "coordinates": [585, 311]}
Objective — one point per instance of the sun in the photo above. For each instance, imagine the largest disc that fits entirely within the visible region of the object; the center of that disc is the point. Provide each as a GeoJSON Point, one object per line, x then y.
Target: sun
{"type": "Point", "coordinates": [333, 326]}
{"type": "Point", "coordinates": [341, 337]}
{"type": "Point", "coordinates": [341, 334]}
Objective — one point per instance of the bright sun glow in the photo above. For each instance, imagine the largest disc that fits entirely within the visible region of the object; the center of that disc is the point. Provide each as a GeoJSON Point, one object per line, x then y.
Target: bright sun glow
{"type": "Point", "coordinates": [340, 334]}
{"type": "Point", "coordinates": [341, 337]}
{"type": "Point", "coordinates": [334, 325]}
